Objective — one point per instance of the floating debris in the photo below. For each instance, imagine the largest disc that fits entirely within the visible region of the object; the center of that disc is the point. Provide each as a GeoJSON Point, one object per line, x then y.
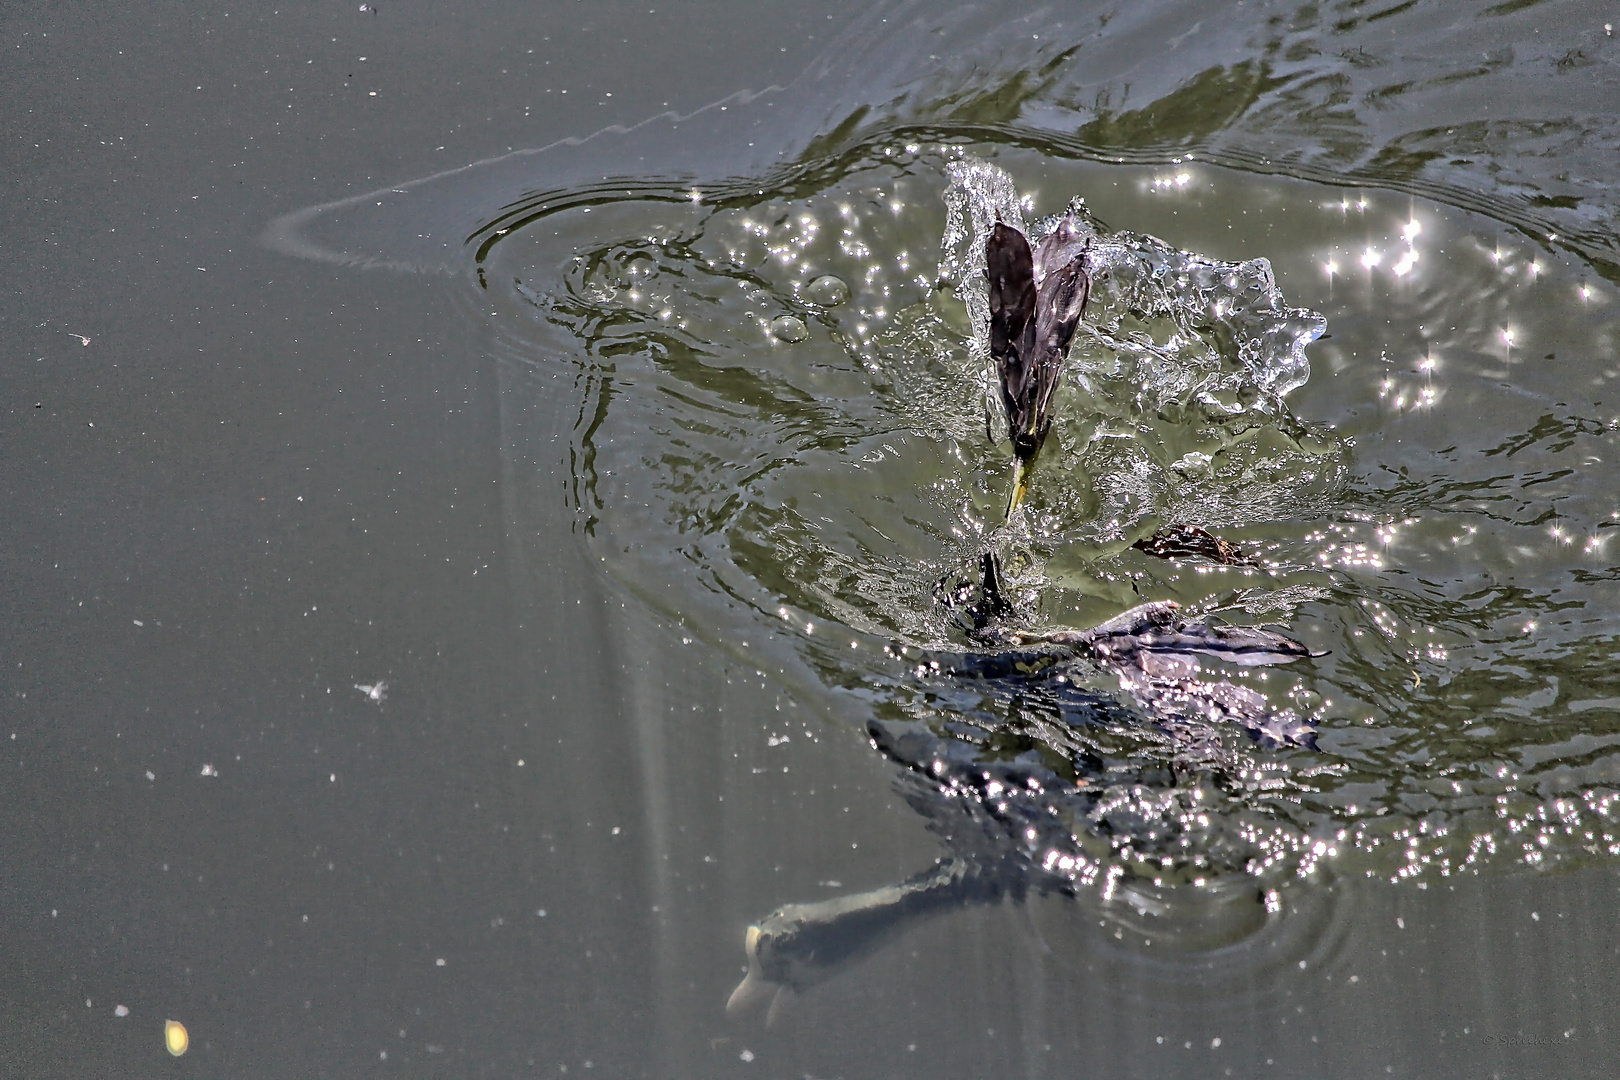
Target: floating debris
{"type": "Point", "coordinates": [1189, 541]}
{"type": "Point", "coordinates": [175, 1037]}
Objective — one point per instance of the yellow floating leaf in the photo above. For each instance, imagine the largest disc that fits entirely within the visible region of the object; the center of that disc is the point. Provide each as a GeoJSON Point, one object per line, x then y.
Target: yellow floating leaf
{"type": "Point", "coordinates": [175, 1037]}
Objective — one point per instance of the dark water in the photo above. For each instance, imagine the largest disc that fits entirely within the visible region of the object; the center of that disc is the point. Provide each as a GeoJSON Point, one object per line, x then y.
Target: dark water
{"type": "Point", "coordinates": [454, 559]}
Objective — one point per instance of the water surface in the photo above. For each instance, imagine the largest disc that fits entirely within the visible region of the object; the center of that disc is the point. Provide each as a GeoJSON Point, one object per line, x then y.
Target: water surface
{"type": "Point", "coordinates": [576, 450]}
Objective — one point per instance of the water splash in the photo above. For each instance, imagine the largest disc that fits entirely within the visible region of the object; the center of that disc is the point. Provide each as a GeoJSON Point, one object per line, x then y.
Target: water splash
{"type": "Point", "coordinates": [1227, 325]}
{"type": "Point", "coordinates": [1181, 366]}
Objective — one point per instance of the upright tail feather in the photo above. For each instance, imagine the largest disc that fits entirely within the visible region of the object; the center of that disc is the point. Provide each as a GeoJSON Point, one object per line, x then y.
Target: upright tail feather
{"type": "Point", "coordinates": [1035, 307]}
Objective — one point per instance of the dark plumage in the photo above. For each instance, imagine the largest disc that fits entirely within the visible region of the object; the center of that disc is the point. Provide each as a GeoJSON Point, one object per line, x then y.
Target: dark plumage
{"type": "Point", "coordinates": [1037, 298]}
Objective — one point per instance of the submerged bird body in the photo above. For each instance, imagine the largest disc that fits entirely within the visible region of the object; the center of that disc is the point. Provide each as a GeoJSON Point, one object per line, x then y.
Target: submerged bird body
{"type": "Point", "coordinates": [1023, 798]}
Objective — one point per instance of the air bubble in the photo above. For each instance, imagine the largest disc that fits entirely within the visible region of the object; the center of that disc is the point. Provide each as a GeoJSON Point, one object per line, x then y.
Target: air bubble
{"type": "Point", "coordinates": [789, 328]}
{"type": "Point", "coordinates": [828, 291]}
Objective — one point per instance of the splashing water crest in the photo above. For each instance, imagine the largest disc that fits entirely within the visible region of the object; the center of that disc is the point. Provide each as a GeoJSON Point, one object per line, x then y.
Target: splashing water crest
{"type": "Point", "coordinates": [1181, 366]}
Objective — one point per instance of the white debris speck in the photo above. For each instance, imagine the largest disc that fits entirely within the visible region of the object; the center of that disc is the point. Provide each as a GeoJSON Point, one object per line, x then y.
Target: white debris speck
{"type": "Point", "coordinates": [377, 691]}
{"type": "Point", "coordinates": [747, 1055]}
{"type": "Point", "coordinates": [150, 775]}
{"type": "Point", "coordinates": [137, 622]}
{"type": "Point", "coordinates": [121, 1010]}
{"type": "Point", "coordinates": [439, 962]}
{"type": "Point", "coordinates": [209, 770]}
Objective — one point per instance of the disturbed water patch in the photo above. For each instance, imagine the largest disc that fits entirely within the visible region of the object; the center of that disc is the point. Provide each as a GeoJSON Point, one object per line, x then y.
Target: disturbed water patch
{"type": "Point", "coordinates": [784, 443]}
